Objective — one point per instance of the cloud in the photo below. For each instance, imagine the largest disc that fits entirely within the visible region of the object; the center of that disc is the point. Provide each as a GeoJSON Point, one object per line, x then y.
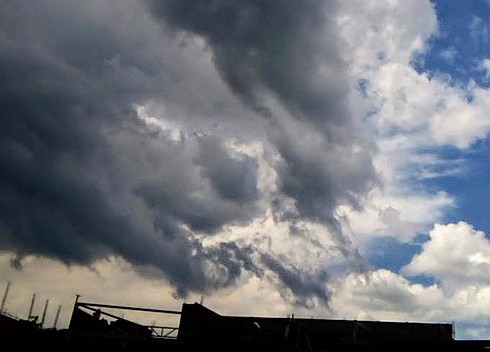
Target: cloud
{"type": "Point", "coordinates": [485, 66]}
{"type": "Point", "coordinates": [380, 32]}
{"type": "Point", "coordinates": [147, 130]}
{"type": "Point", "coordinates": [266, 46]}
{"type": "Point", "coordinates": [304, 287]}
{"type": "Point", "coordinates": [464, 267]}
{"type": "Point", "coordinates": [50, 279]}
{"type": "Point", "coordinates": [456, 255]}
{"type": "Point", "coordinates": [396, 213]}
{"type": "Point", "coordinates": [428, 107]}
{"type": "Point", "coordinates": [82, 176]}
{"type": "Point", "coordinates": [234, 177]}
{"type": "Point", "coordinates": [398, 99]}
{"type": "Point", "coordinates": [224, 144]}
{"type": "Point", "coordinates": [275, 59]}
{"type": "Point", "coordinates": [380, 40]}
{"type": "Point", "coordinates": [449, 54]}
{"type": "Point", "coordinates": [376, 295]}
{"type": "Point", "coordinates": [384, 295]}
{"type": "Point", "coordinates": [415, 118]}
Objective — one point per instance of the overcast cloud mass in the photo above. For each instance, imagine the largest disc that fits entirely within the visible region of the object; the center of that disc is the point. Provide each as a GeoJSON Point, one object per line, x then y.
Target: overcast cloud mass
{"type": "Point", "coordinates": [87, 171]}
{"type": "Point", "coordinates": [296, 153]}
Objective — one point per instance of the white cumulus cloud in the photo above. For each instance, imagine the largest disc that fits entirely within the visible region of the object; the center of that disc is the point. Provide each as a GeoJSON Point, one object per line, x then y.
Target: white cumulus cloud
{"type": "Point", "coordinates": [456, 254]}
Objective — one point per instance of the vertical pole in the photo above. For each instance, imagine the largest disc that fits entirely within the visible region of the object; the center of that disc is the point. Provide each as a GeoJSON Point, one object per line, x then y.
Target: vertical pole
{"type": "Point", "coordinates": [44, 313]}
{"type": "Point", "coordinates": [57, 316]}
{"type": "Point", "coordinates": [75, 305]}
{"type": "Point", "coordinates": [77, 296]}
{"type": "Point", "coordinates": [5, 296]}
{"type": "Point", "coordinates": [32, 306]}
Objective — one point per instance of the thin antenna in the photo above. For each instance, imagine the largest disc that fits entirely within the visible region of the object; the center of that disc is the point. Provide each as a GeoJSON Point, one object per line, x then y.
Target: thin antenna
{"type": "Point", "coordinates": [57, 316]}
{"type": "Point", "coordinates": [44, 313]}
{"type": "Point", "coordinates": [32, 306]}
{"type": "Point", "coordinates": [5, 296]}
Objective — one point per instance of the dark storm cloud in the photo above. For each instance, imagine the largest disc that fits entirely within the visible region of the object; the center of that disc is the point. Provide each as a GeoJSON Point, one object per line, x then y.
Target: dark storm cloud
{"type": "Point", "coordinates": [303, 285]}
{"type": "Point", "coordinates": [75, 160]}
{"type": "Point", "coordinates": [235, 259]}
{"type": "Point", "coordinates": [83, 177]}
{"type": "Point", "coordinates": [289, 50]}
{"type": "Point", "coordinates": [233, 177]}
{"type": "Point", "coordinates": [200, 212]}
{"type": "Point", "coordinates": [204, 191]}
{"type": "Point", "coordinates": [283, 46]}
{"type": "Point", "coordinates": [276, 45]}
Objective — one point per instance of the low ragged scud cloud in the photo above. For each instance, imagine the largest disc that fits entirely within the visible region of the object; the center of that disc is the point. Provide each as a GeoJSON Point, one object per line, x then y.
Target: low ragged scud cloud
{"type": "Point", "coordinates": [375, 295]}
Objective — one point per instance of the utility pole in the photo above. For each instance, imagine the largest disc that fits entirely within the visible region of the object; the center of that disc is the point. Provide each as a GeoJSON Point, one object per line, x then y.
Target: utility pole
{"type": "Point", "coordinates": [57, 316]}
{"type": "Point", "coordinates": [44, 313]}
{"type": "Point", "coordinates": [32, 307]}
{"type": "Point", "coordinates": [75, 307]}
{"type": "Point", "coordinates": [5, 296]}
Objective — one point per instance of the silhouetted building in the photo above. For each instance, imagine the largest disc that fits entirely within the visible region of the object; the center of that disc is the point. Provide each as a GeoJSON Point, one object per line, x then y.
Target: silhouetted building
{"type": "Point", "coordinates": [200, 326]}
{"type": "Point", "coordinates": [201, 329]}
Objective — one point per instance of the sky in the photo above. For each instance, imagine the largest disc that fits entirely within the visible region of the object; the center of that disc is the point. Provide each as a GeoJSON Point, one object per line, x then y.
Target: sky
{"type": "Point", "coordinates": [325, 159]}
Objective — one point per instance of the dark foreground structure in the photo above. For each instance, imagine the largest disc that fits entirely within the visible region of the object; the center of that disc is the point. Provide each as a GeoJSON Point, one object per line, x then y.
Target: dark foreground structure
{"type": "Point", "coordinates": [93, 328]}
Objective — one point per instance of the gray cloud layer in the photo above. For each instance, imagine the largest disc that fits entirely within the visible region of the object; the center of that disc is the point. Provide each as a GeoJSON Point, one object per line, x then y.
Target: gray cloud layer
{"type": "Point", "coordinates": [82, 177]}
{"type": "Point", "coordinates": [280, 47]}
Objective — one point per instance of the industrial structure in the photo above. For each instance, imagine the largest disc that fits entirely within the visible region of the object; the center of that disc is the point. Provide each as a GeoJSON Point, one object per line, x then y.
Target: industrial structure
{"type": "Point", "coordinates": [95, 326]}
